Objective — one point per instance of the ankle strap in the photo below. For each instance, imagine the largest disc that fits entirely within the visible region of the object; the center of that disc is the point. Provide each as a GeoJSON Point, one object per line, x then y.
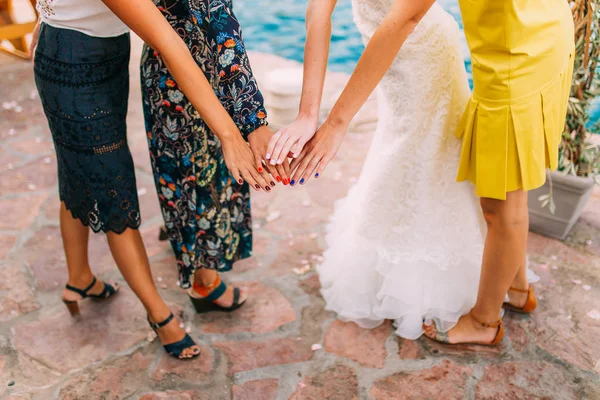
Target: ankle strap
{"type": "Point", "coordinates": [81, 292]}
{"type": "Point", "coordinates": [162, 324]}
{"type": "Point", "coordinates": [487, 324]}
{"type": "Point", "coordinates": [520, 290]}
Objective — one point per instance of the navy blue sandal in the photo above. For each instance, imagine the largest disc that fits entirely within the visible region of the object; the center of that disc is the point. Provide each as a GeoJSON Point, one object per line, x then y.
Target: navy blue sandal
{"type": "Point", "coordinates": [73, 306]}
{"type": "Point", "coordinates": [203, 297]}
{"type": "Point", "coordinates": [175, 349]}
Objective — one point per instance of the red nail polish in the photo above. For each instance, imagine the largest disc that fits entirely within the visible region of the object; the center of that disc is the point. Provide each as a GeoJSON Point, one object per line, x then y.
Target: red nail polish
{"type": "Point", "coordinates": [240, 181]}
{"type": "Point", "coordinates": [260, 169]}
{"type": "Point", "coordinates": [278, 179]}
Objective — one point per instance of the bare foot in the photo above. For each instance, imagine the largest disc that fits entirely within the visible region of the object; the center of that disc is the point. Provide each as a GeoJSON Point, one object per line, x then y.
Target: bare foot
{"type": "Point", "coordinates": [467, 330]}
{"type": "Point", "coordinates": [172, 333]}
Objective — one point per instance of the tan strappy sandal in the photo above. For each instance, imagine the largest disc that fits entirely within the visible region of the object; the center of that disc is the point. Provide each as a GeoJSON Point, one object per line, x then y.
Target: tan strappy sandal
{"type": "Point", "coordinates": [529, 306]}
{"type": "Point", "coordinates": [442, 337]}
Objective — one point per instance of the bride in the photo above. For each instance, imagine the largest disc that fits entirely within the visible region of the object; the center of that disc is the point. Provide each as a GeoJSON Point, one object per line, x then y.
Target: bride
{"type": "Point", "coordinates": [406, 244]}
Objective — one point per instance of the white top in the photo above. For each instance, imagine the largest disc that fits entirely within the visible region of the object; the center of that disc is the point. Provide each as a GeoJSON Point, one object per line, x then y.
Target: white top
{"type": "Point", "coordinates": [91, 17]}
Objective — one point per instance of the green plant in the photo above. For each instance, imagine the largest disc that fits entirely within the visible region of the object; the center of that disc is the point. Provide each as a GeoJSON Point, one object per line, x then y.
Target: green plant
{"type": "Point", "coordinates": [577, 155]}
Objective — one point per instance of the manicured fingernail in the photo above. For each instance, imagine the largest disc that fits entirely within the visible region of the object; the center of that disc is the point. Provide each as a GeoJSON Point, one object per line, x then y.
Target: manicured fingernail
{"type": "Point", "coordinates": [268, 156]}
{"type": "Point", "coordinates": [240, 181]}
{"type": "Point", "coordinates": [268, 188]}
{"type": "Point", "coordinates": [292, 182]}
{"type": "Point", "coordinates": [317, 175]}
{"type": "Point", "coordinates": [286, 181]}
{"type": "Point", "coordinates": [301, 181]}
{"type": "Point", "coordinates": [278, 178]}
{"type": "Point", "coordinates": [272, 162]}
{"type": "Point", "coordinates": [260, 169]}
{"type": "Point", "coordinates": [272, 183]}
{"type": "Point", "coordinates": [257, 186]}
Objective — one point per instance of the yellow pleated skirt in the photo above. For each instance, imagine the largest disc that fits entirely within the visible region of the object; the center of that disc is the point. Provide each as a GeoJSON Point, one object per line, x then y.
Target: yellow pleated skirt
{"type": "Point", "coordinates": [522, 57]}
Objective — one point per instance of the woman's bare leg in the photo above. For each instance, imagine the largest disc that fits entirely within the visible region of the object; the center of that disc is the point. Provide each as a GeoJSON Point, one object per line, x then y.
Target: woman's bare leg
{"type": "Point", "coordinates": [504, 256]}
{"type": "Point", "coordinates": [75, 237]}
{"type": "Point", "coordinates": [130, 255]}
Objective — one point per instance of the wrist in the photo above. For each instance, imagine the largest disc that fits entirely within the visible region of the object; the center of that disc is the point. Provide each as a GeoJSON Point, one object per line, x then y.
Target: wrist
{"type": "Point", "coordinates": [309, 116]}
{"type": "Point", "coordinates": [337, 122]}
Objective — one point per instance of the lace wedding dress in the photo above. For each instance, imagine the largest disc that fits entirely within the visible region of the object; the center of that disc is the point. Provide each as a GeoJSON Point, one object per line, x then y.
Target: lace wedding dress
{"type": "Point", "coordinates": [406, 244]}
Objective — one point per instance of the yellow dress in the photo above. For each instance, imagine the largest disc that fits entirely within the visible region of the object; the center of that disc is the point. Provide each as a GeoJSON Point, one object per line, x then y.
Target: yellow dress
{"type": "Point", "coordinates": [522, 56]}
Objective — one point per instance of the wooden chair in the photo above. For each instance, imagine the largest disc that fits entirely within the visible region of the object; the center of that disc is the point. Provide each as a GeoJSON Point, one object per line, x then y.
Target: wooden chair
{"type": "Point", "coordinates": [14, 32]}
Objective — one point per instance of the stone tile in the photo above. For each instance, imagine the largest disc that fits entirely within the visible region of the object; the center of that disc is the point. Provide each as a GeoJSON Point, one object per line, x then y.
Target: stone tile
{"type": "Point", "coordinates": [293, 213]}
{"type": "Point", "coordinates": [7, 243]}
{"type": "Point", "coordinates": [365, 346]}
{"type": "Point", "coordinates": [263, 389]}
{"type": "Point", "coordinates": [446, 377]}
{"type": "Point", "coordinates": [35, 374]}
{"type": "Point", "coordinates": [526, 380]}
{"type": "Point", "coordinates": [516, 331]}
{"type": "Point", "coordinates": [301, 250]}
{"type": "Point", "coordinates": [45, 255]}
{"type": "Point", "coordinates": [38, 173]}
{"type": "Point", "coordinates": [165, 270]}
{"type": "Point", "coordinates": [176, 395]}
{"type": "Point", "coordinates": [8, 161]}
{"type": "Point", "coordinates": [561, 324]}
{"type": "Point", "coordinates": [118, 380]}
{"type": "Point", "coordinates": [191, 371]}
{"type": "Point", "coordinates": [104, 328]}
{"type": "Point", "coordinates": [17, 293]}
{"type": "Point", "coordinates": [541, 246]}
{"type": "Point", "coordinates": [337, 383]}
{"type": "Point", "coordinates": [32, 146]}
{"type": "Point", "coordinates": [267, 310]}
{"type": "Point", "coordinates": [149, 207]}
{"type": "Point", "coordinates": [409, 349]}
{"type": "Point", "coordinates": [21, 212]}
{"type": "Point", "coordinates": [249, 355]}
{"type": "Point", "coordinates": [311, 285]}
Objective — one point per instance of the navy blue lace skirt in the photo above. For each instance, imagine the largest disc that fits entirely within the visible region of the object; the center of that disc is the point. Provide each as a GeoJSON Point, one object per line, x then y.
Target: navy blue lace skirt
{"type": "Point", "coordinates": [83, 83]}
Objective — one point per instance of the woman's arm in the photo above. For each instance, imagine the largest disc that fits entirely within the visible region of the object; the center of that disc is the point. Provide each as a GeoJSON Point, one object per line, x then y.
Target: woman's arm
{"type": "Point", "coordinates": [147, 21]}
{"type": "Point", "coordinates": [379, 54]}
{"type": "Point", "coordinates": [316, 51]}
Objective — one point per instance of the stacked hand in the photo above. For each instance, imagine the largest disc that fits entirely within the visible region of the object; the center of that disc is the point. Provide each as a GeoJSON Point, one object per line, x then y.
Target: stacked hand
{"type": "Point", "coordinates": [311, 151]}
{"type": "Point", "coordinates": [246, 163]}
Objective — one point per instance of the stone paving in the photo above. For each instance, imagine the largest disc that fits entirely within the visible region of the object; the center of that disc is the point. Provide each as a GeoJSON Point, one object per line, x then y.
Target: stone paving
{"type": "Point", "coordinates": [265, 350]}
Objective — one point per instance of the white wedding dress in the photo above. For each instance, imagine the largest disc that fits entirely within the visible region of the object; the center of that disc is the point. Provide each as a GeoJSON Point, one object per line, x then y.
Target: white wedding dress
{"type": "Point", "coordinates": [406, 244]}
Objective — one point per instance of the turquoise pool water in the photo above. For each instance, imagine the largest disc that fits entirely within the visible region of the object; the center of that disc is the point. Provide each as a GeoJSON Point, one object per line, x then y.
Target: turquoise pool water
{"type": "Point", "coordinates": [277, 27]}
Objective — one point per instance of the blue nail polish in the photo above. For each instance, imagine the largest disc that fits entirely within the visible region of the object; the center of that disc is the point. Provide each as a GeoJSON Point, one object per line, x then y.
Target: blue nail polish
{"type": "Point", "coordinates": [317, 175]}
{"type": "Point", "coordinates": [292, 182]}
{"type": "Point", "coordinates": [302, 181]}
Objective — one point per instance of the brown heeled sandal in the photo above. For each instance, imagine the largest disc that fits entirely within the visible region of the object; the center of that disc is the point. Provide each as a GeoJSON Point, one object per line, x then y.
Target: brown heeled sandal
{"type": "Point", "coordinates": [530, 304]}
{"type": "Point", "coordinates": [442, 337]}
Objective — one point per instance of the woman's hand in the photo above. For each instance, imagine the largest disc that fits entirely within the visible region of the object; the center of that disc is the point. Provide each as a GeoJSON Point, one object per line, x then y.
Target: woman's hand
{"type": "Point", "coordinates": [318, 152]}
{"type": "Point", "coordinates": [259, 141]}
{"type": "Point", "coordinates": [34, 39]}
{"type": "Point", "coordinates": [241, 163]}
{"type": "Point", "coordinates": [290, 140]}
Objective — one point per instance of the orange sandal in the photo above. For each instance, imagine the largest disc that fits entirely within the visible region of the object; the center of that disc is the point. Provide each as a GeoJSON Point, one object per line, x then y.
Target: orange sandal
{"type": "Point", "coordinates": [529, 306]}
{"type": "Point", "coordinates": [442, 337]}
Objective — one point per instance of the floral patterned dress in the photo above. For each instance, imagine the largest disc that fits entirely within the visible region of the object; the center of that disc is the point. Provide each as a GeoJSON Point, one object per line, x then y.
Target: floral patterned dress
{"type": "Point", "coordinates": [206, 212]}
